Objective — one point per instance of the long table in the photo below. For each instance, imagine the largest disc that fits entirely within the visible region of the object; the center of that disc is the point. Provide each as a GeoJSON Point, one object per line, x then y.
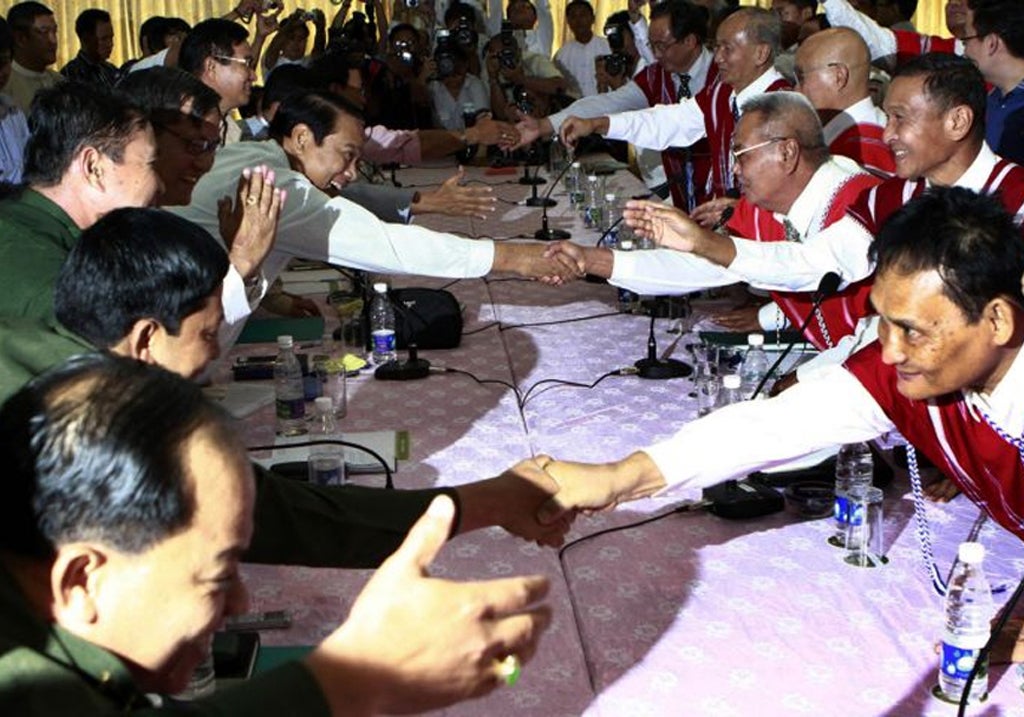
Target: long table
{"type": "Point", "coordinates": [689, 614]}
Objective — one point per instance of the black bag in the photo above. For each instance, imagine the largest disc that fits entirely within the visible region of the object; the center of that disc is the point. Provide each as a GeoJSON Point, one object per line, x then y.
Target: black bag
{"type": "Point", "coordinates": [430, 318]}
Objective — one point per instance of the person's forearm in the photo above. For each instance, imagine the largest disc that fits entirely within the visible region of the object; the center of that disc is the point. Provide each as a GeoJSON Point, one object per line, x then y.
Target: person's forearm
{"type": "Point", "coordinates": [599, 261]}
{"type": "Point", "coordinates": [717, 248]}
{"type": "Point", "coordinates": [635, 476]}
{"type": "Point", "coordinates": [439, 143]}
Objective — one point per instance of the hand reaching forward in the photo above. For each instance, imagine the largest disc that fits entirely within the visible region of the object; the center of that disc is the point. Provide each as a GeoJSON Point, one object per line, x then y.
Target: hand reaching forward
{"type": "Point", "coordinates": [249, 227]}
{"type": "Point", "coordinates": [576, 128]}
{"type": "Point", "coordinates": [413, 643]}
{"type": "Point", "coordinates": [664, 224]}
{"type": "Point", "coordinates": [454, 199]}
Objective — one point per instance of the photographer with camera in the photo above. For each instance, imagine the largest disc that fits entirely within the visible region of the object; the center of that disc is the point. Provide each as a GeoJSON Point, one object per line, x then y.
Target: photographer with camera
{"type": "Point", "coordinates": [462, 22]}
{"type": "Point", "coordinates": [290, 42]}
{"type": "Point", "coordinates": [457, 97]}
{"type": "Point", "coordinates": [615, 69]}
{"type": "Point", "coordinates": [577, 58]}
{"type": "Point", "coordinates": [407, 101]}
{"type": "Point", "coordinates": [508, 68]}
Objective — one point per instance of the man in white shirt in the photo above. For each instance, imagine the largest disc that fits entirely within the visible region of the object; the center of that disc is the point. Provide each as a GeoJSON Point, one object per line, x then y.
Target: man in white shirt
{"type": "Point", "coordinates": [34, 30]}
{"type": "Point", "coordinates": [577, 57]}
{"type": "Point", "coordinates": [947, 372]}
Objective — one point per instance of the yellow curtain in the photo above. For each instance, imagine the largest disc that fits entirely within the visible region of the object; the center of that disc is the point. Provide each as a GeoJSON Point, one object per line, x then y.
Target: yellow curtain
{"type": "Point", "coordinates": [127, 15]}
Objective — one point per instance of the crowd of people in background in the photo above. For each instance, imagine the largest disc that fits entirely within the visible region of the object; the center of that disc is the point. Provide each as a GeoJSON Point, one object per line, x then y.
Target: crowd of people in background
{"type": "Point", "coordinates": [147, 210]}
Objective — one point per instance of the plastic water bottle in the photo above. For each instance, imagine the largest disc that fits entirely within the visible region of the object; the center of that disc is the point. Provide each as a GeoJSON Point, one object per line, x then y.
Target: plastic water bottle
{"type": "Point", "coordinates": [755, 365]}
{"type": "Point", "coordinates": [610, 215]}
{"type": "Point", "coordinates": [969, 609]}
{"type": "Point", "coordinates": [732, 391]}
{"type": "Point", "coordinates": [593, 207]}
{"type": "Point", "coordinates": [288, 390]}
{"type": "Point", "coordinates": [324, 423]}
{"type": "Point", "coordinates": [855, 468]}
{"type": "Point", "coordinates": [574, 185]}
{"type": "Point", "coordinates": [382, 325]}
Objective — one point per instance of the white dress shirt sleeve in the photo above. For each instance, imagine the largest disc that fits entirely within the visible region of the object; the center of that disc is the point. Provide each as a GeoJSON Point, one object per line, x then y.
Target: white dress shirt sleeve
{"type": "Point", "coordinates": [880, 40]}
{"type": "Point", "coordinates": [627, 97]}
{"type": "Point", "coordinates": [665, 271]}
{"type": "Point", "coordinates": [641, 40]}
{"type": "Point", "coordinates": [799, 266]}
{"type": "Point", "coordinates": [237, 299]}
{"type": "Point", "coordinates": [831, 409]}
{"type": "Point", "coordinates": [661, 126]}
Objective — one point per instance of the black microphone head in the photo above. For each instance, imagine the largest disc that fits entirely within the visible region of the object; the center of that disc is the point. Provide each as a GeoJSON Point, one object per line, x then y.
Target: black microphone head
{"type": "Point", "coordinates": [829, 284]}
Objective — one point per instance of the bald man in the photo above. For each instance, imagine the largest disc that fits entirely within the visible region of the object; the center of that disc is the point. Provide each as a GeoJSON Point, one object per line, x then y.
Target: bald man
{"type": "Point", "coordinates": [832, 69]}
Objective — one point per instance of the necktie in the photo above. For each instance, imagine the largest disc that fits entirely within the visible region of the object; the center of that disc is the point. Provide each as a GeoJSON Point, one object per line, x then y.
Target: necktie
{"type": "Point", "coordinates": [735, 111]}
{"type": "Point", "coordinates": [684, 86]}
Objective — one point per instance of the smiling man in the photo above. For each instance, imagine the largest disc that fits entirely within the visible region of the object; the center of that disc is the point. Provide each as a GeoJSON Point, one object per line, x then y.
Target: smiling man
{"type": "Point", "coordinates": [946, 372]}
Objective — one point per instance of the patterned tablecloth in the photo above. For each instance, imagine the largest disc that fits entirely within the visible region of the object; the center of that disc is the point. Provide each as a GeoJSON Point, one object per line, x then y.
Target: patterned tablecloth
{"type": "Point", "coordinates": [687, 615]}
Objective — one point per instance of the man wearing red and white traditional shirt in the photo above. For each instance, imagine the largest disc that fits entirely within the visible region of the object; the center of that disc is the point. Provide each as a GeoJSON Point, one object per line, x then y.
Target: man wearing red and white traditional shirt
{"type": "Point", "coordinates": [947, 372]}
{"type": "Point", "coordinates": [746, 45]}
{"type": "Point", "coordinates": [832, 68]}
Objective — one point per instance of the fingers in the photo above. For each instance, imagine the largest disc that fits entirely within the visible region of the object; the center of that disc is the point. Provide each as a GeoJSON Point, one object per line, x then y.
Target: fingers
{"type": "Point", "coordinates": [941, 491]}
{"type": "Point", "coordinates": [518, 634]}
{"type": "Point", "coordinates": [427, 535]}
{"type": "Point", "coordinates": [552, 511]}
{"type": "Point", "coordinates": [507, 596]}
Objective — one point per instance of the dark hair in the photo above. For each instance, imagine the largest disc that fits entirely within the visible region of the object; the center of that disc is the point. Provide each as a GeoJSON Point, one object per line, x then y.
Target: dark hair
{"type": "Point", "coordinates": [95, 451]}
{"type": "Point", "coordinates": [208, 39]}
{"type": "Point", "coordinates": [685, 18]}
{"type": "Point", "coordinates": [459, 10]}
{"type": "Point", "coordinates": [1004, 18]}
{"type": "Point", "coordinates": [70, 116]}
{"type": "Point", "coordinates": [134, 264]}
{"type": "Point", "coordinates": [906, 8]}
{"type": "Point", "coordinates": [579, 3]}
{"type": "Point", "coordinates": [287, 80]}
{"type": "Point", "coordinates": [968, 238]}
{"type": "Point", "coordinates": [151, 33]}
{"type": "Point", "coordinates": [620, 18]}
{"type": "Point", "coordinates": [21, 15]}
{"type": "Point", "coordinates": [403, 27]}
{"type": "Point", "coordinates": [317, 110]}
{"type": "Point", "coordinates": [87, 20]}
{"type": "Point", "coordinates": [162, 90]}
{"type": "Point", "coordinates": [332, 67]}
{"type": "Point", "coordinates": [950, 81]}
{"type": "Point", "coordinates": [811, 5]}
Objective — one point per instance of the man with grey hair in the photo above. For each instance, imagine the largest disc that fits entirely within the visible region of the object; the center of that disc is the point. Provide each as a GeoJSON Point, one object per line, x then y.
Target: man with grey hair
{"type": "Point", "coordinates": [745, 48]}
{"type": "Point", "coordinates": [785, 171]}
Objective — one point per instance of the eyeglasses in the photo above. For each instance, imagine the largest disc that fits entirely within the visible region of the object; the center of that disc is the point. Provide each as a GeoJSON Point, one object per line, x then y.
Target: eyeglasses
{"type": "Point", "coordinates": [659, 48]}
{"type": "Point", "coordinates": [737, 153]}
{"type": "Point", "coordinates": [966, 38]}
{"type": "Point", "coordinates": [195, 146]}
{"type": "Point", "coordinates": [249, 62]}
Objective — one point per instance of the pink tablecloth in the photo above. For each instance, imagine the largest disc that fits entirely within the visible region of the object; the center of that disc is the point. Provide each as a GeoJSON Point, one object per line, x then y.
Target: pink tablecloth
{"type": "Point", "coordinates": [689, 615]}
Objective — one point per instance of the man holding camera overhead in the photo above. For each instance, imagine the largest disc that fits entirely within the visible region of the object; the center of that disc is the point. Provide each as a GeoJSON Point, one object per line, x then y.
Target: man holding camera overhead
{"type": "Point", "coordinates": [513, 71]}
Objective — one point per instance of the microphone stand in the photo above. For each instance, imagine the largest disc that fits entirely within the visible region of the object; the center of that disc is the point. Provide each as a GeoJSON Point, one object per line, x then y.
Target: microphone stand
{"type": "Point", "coordinates": [826, 287]}
{"type": "Point", "coordinates": [653, 367]}
{"type": "Point", "coordinates": [546, 233]}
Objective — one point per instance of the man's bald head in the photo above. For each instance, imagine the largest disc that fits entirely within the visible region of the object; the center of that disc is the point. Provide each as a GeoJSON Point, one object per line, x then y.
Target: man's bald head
{"type": "Point", "coordinates": [832, 68]}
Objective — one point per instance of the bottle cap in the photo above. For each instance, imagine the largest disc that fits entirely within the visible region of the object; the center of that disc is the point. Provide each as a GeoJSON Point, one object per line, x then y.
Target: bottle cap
{"type": "Point", "coordinates": [591, 177]}
{"type": "Point", "coordinates": [731, 380]}
{"type": "Point", "coordinates": [610, 197]}
{"type": "Point", "coordinates": [323, 405]}
{"type": "Point", "coordinates": [972, 553]}
{"type": "Point", "coordinates": [284, 342]}
{"type": "Point", "coordinates": [575, 165]}
{"type": "Point", "coordinates": [380, 287]}
{"type": "Point", "coordinates": [755, 339]}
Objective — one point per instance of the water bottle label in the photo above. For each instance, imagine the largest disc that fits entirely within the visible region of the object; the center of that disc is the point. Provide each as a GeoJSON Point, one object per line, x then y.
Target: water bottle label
{"type": "Point", "coordinates": [289, 409]}
{"type": "Point", "coordinates": [841, 510]}
{"type": "Point", "coordinates": [957, 661]}
{"type": "Point", "coordinates": [383, 341]}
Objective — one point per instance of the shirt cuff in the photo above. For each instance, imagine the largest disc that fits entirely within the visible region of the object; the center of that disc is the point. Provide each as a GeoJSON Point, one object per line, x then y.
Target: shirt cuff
{"type": "Point", "coordinates": [239, 297]}
{"type": "Point", "coordinates": [771, 318]}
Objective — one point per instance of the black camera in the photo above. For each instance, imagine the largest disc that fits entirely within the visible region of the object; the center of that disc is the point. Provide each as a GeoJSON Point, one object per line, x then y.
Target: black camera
{"type": "Point", "coordinates": [508, 53]}
{"type": "Point", "coordinates": [403, 50]}
{"type": "Point", "coordinates": [465, 35]}
{"type": "Point", "coordinates": [522, 100]}
{"type": "Point", "coordinates": [615, 64]}
{"type": "Point", "coordinates": [445, 55]}
{"type": "Point", "coordinates": [615, 34]}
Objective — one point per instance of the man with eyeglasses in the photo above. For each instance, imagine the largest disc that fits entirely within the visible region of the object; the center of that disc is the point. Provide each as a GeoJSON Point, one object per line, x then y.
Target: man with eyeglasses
{"type": "Point", "coordinates": [792, 191]}
{"type": "Point", "coordinates": [832, 68]}
{"type": "Point", "coordinates": [34, 30]}
{"type": "Point", "coordinates": [683, 68]}
{"type": "Point", "coordinates": [746, 45]}
{"type": "Point", "coordinates": [218, 52]}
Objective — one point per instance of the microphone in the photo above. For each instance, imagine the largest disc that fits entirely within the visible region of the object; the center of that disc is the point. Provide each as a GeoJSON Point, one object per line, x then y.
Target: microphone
{"type": "Point", "coordinates": [545, 233]}
{"type": "Point", "coordinates": [653, 367]}
{"type": "Point", "coordinates": [826, 287]}
{"type": "Point", "coordinates": [724, 217]}
{"type": "Point", "coordinates": [412, 368]}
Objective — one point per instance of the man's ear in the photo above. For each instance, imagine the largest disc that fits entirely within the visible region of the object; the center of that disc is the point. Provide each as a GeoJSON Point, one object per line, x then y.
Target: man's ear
{"type": "Point", "coordinates": [1004, 320]}
{"type": "Point", "coordinates": [302, 136]}
{"type": "Point", "coordinates": [959, 122]}
{"type": "Point", "coordinates": [91, 164]}
{"type": "Point", "coordinates": [75, 580]}
{"type": "Point", "coordinates": [138, 343]}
